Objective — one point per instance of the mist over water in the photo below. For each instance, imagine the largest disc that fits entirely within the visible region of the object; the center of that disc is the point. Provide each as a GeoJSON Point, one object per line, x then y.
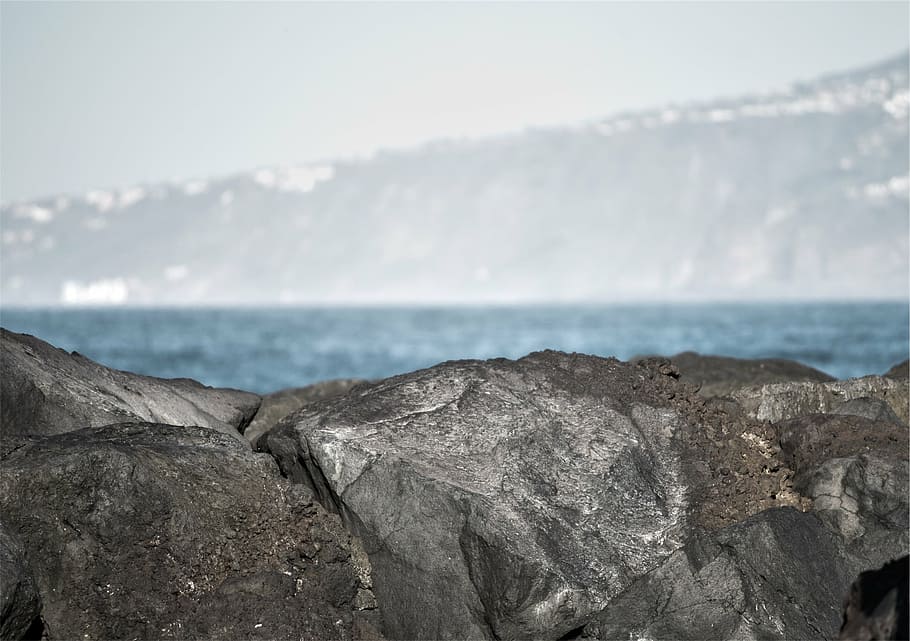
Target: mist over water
{"type": "Point", "coordinates": [264, 350]}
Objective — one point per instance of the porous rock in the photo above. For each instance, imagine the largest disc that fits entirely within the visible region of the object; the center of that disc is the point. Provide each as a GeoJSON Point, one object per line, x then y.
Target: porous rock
{"type": "Point", "coordinates": [780, 574]}
{"type": "Point", "coordinates": [45, 390]}
{"type": "Point", "coordinates": [720, 375]}
{"type": "Point", "coordinates": [780, 401]}
{"type": "Point", "coordinates": [20, 604]}
{"type": "Point", "coordinates": [279, 404]}
{"type": "Point", "coordinates": [160, 532]}
{"type": "Point", "coordinates": [514, 499]}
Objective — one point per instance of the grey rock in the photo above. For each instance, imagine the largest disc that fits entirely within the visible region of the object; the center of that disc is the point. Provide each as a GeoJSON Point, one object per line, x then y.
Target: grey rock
{"type": "Point", "coordinates": [721, 375]}
{"type": "Point", "coordinates": [808, 441]}
{"type": "Point", "coordinates": [45, 390]}
{"type": "Point", "coordinates": [20, 604]}
{"type": "Point", "coordinates": [855, 471]}
{"type": "Point", "coordinates": [152, 531]}
{"type": "Point", "coordinates": [779, 401]}
{"type": "Point", "coordinates": [872, 408]}
{"type": "Point", "coordinates": [901, 370]}
{"type": "Point", "coordinates": [878, 606]}
{"type": "Point", "coordinates": [780, 574]}
{"type": "Point", "coordinates": [506, 499]}
{"type": "Point", "coordinates": [859, 494]}
{"type": "Point", "coordinates": [277, 405]}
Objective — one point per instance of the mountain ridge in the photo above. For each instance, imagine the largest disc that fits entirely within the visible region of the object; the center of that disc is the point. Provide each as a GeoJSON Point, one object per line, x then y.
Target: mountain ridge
{"type": "Point", "coordinates": [766, 196]}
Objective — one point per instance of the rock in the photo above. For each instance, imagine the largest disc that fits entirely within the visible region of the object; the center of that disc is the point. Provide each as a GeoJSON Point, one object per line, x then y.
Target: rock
{"type": "Point", "coordinates": [859, 496]}
{"type": "Point", "coordinates": [515, 499]}
{"type": "Point", "coordinates": [160, 532]}
{"type": "Point", "coordinates": [45, 390]}
{"type": "Point", "coordinates": [878, 605]}
{"type": "Point", "coordinates": [901, 370]}
{"type": "Point", "coordinates": [780, 574]}
{"type": "Point", "coordinates": [872, 408]}
{"type": "Point", "coordinates": [20, 604]}
{"type": "Point", "coordinates": [780, 401]}
{"type": "Point", "coordinates": [279, 404]}
{"type": "Point", "coordinates": [808, 441]}
{"type": "Point", "coordinates": [721, 375]}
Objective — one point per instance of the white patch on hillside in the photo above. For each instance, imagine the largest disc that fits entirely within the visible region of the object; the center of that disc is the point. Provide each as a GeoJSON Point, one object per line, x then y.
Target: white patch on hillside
{"type": "Point", "coordinates": [34, 212]}
{"type": "Point", "coordinates": [112, 291]}
{"type": "Point", "coordinates": [102, 200]}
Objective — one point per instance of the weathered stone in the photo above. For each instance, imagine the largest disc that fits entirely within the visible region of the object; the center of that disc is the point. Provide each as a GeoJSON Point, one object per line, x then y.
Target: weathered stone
{"type": "Point", "coordinates": [279, 404]}
{"type": "Point", "coordinates": [160, 532]}
{"type": "Point", "coordinates": [721, 375]}
{"type": "Point", "coordinates": [808, 441]}
{"type": "Point", "coordinates": [45, 390]}
{"type": "Point", "coordinates": [780, 574]}
{"type": "Point", "coordinates": [20, 604]}
{"type": "Point", "coordinates": [857, 494]}
{"type": "Point", "coordinates": [502, 499]}
{"type": "Point", "coordinates": [872, 408]}
{"type": "Point", "coordinates": [779, 401]}
{"type": "Point", "coordinates": [878, 605]}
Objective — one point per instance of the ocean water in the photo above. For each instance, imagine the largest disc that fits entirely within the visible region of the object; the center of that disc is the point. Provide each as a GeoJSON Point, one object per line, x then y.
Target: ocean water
{"type": "Point", "coordinates": [264, 350]}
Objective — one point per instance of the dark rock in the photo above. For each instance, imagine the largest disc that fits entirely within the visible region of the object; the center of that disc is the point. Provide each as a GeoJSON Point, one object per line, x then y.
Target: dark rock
{"type": "Point", "coordinates": [279, 404]}
{"type": "Point", "coordinates": [780, 401]}
{"type": "Point", "coordinates": [45, 390]}
{"type": "Point", "coordinates": [872, 408]}
{"type": "Point", "coordinates": [854, 470]}
{"type": "Point", "coordinates": [878, 605]}
{"type": "Point", "coordinates": [160, 532]}
{"type": "Point", "coordinates": [901, 370]}
{"type": "Point", "coordinates": [515, 499]}
{"type": "Point", "coordinates": [780, 574]}
{"type": "Point", "coordinates": [808, 441]}
{"type": "Point", "coordinates": [20, 604]}
{"type": "Point", "coordinates": [720, 375]}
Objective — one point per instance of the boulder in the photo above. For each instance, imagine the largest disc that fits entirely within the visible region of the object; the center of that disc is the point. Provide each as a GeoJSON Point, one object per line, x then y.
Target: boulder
{"type": "Point", "coordinates": [152, 531]}
{"type": "Point", "coordinates": [901, 370]}
{"type": "Point", "coordinates": [780, 401]}
{"type": "Point", "coordinates": [515, 499]}
{"type": "Point", "coordinates": [872, 408]}
{"type": "Point", "coordinates": [780, 574]}
{"type": "Point", "coordinates": [720, 375]}
{"type": "Point", "coordinates": [20, 604]}
{"type": "Point", "coordinates": [878, 605]}
{"type": "Point", "coordinates": [855, 471]}
{"type": "Point", "coordinates": [45, 390]}
{"type": "Point", "coordinates": [279, 404]}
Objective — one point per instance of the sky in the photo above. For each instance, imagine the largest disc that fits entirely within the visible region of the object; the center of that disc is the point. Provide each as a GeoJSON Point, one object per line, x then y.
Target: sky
{"type": "Point", "coordinates": [97, 95]}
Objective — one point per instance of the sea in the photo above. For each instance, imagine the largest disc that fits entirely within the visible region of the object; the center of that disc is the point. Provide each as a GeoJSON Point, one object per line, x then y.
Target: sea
{"type": "Point", "coordinates": [265, 350]}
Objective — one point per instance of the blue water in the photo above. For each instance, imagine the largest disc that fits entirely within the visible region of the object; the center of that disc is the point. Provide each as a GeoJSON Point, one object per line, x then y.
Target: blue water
{"type": "Point", "coordinates": [263, 350]}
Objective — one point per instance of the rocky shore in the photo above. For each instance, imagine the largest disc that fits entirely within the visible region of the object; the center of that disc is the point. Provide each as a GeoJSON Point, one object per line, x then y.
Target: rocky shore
{"type": "Point", "coordinates": [558, 496]}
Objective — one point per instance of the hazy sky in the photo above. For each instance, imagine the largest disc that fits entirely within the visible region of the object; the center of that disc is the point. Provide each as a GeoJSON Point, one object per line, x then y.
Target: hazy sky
{"type": "Point", "coordinates": [110, 94]}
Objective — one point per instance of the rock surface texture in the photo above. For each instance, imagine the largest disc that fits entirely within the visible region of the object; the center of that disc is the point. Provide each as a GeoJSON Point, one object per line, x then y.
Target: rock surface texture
{"type": "Point", "coordinates": [778, 575]}
{"type": "Point", "coordinates": [721, 375]}
{"type": "Point", "coordinates": [20, 603]}
{"type": "Point", "coordinates": [279, 404]}
{"type": "Point", "coordinates": [45, 390]}
{"type": "Point", "coordinates": [779, 401]}
{"type": "Point", "coordinates": [500, 499]}
{"type": "Point", "coordinates": [159, 532]}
